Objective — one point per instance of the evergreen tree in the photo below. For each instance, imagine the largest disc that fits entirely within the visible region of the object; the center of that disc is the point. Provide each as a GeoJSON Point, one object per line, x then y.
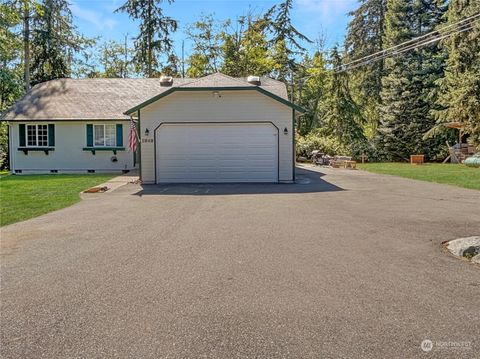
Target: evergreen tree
{"type": "Point", "coordinates": [342, 118]}
{"type": "Point", "coordinates": [284, 66]}
{"type": "Point", "coordinates": [27, 10]}
{"type": "Point", "coordinates": [11, 84]}
{"type": "Point", "coordinates": [312, 91]}
{"type": "Point", "coordinates": [286, 40]}
{"type": "Point", "coordinates": [409, 81]}
{"type": "Point", "coordinates": [154, 38]}
{"type": "Point", "coordinates": [172, 67]}
{"type": "Point", "coordinates": [282, 29]}
{"type": "Point", "coordinates": [460, 88]}
{"type": "Point", "coordinates": [54, 42]}
{"type": "Point", "coordinates": [365, 37]}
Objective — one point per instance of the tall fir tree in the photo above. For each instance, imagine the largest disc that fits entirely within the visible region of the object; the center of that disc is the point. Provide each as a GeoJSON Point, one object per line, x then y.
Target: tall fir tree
{"type": "Point", "coordinates": [286, 40]}
{"type": "Point", "coordinates": [459, 98]}
{"type": "Point", "coordinates": [343, 117]}
{"type": "Point", "coordinates": [154, 38]}
{"type": "Point", "coordinates": [54, 42]}
{"type": "Point", "coordinates": [365, 35]}
{"type": "Point", "coordinates": [11, 84]}
{"type": "Point", "coordinates": [312, 91]}
{"type": "Point", "coordinates": [409, 80]}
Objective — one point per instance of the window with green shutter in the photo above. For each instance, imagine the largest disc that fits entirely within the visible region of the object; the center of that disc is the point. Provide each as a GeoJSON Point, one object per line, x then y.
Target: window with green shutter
{"type": "Point", "coordinates": [104, 137]}
{"type": "Point", "coordinates": [21, 132]}
{"type": "Point", "coordinates": [119, 135]}
{"type": "Point", "coordinates": [89, 135]}
{"type": "Point", "coordinates": [51, 135]}
{"type": "Point", "coordinates": [36, 137]}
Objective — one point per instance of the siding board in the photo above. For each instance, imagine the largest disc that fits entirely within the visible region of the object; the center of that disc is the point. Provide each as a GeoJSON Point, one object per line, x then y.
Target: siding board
{"type": "Point", "coordinates": [240, 106]}
{"type": "Point", "coordinates": [68, 156]}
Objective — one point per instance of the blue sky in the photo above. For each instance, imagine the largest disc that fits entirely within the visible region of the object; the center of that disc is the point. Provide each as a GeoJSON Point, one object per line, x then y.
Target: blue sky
{"type": "Point", "coordinates": [96, 18]}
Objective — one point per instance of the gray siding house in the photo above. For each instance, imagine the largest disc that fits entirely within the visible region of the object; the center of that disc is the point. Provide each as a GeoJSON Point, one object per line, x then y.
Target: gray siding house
{"type": "Point", "coordinates": [212, 129]}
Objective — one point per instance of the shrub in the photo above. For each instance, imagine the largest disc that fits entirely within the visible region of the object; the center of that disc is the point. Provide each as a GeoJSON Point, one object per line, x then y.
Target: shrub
{"type": "Point", "coordinates": [315, 141]}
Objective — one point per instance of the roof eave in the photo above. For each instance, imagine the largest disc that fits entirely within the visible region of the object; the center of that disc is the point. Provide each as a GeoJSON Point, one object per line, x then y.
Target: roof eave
{"type": "Point", "coordinates": [219, 88]}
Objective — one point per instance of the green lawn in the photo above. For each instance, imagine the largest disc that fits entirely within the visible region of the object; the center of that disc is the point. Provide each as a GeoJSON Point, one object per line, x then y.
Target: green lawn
{"type": "Point", "coordinates": [453, 174]}
{"type": "Point", "coordinates": [24, 197]}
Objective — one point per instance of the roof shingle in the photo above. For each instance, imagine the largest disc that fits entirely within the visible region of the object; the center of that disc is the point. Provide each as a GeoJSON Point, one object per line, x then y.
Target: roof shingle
{"type": "Point", "coordinates": [107, 99]}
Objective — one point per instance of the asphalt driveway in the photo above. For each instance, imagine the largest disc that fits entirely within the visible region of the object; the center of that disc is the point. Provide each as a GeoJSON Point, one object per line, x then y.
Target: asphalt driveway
{"type": "Point", "coordinates": [343, 264]}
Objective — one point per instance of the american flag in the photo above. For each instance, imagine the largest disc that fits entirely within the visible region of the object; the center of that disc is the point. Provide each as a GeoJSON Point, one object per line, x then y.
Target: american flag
{"type": "Point", "coordinates": [133, 136]}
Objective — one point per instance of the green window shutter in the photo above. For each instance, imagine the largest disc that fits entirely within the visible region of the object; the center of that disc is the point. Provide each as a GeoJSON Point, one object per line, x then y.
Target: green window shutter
{"type": "Point", "coordinates": [89, 135]}
{"type": "Point", "coordinates": [51, 135]}
{"type": "Point", "coordinates": [21, 131]}
{"type": "Point", "coordinates": [119, 135]}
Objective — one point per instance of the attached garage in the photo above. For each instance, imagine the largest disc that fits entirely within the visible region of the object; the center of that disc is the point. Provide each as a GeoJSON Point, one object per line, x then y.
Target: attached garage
{"type": "Point", "coordinates": [216, 152]}
{"type": "Point", "coordinates": [217, 129]}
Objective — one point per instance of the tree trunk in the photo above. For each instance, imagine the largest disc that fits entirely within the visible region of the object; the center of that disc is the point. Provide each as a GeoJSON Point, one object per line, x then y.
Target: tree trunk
{"type": "Point", "coordinates": [26, 45]}
{"type": "Point", "coordinates": [149, 65]}
{"type": "Point", "coordinates": [150, 38]}
{"type": "Point", "coordinates": [124, 67]}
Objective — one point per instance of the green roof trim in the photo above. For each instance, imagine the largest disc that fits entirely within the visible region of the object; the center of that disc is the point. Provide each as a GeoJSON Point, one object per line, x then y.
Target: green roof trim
{"type": "Point", "coordinates": [239, 88]}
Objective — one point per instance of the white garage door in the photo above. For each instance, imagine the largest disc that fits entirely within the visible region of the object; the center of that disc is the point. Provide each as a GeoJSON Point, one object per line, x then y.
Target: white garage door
{"type": "Point", "coordinates": [217, 152]}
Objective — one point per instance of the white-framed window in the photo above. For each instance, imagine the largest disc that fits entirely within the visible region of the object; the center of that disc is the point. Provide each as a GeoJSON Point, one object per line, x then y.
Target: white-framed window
{"type": "Point", "coordinates": [104, 136]}
{"type": "Point", "coordinates": [37, 136]}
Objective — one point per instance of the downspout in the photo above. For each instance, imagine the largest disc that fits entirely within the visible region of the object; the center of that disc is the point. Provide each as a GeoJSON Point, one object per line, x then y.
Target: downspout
{"type": "Point", "coordinates": [9, 149]}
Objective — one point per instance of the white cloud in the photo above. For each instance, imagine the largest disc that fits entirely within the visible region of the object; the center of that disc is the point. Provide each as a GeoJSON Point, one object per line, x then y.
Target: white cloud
{"type": "Point", "coordinates": [95, 18]}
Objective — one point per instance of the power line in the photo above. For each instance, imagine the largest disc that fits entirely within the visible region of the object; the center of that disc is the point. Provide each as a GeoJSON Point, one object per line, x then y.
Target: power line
{"type": "Point", "coordinates": [463, 25]}
{"type": "Point", "coordinates": [419, 38]}
{"type": "Point", "coordinates": [420, 41]}
{"type": "Point", "coordinates": [396, 52]}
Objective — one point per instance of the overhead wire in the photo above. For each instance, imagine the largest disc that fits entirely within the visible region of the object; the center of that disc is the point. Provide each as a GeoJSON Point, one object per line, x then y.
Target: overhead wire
{"type": "Point", "coordinates": [418, 42]}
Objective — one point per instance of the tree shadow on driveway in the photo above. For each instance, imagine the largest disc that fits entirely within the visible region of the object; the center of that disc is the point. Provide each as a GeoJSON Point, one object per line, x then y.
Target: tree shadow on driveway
{"type": "Point", "coordinates": [306, 182]}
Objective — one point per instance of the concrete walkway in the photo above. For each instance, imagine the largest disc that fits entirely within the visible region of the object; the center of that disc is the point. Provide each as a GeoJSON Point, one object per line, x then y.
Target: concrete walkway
{"type": "Point", "coordinates": [119, 181]}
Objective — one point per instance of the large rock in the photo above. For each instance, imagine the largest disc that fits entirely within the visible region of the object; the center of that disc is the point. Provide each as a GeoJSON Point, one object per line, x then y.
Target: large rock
{"type": "Point", "coordinates": [458, 246]}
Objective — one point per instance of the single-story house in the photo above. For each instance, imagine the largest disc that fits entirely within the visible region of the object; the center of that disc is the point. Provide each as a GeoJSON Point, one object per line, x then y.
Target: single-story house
{"type": "Point", "coordinates": [211, 129]}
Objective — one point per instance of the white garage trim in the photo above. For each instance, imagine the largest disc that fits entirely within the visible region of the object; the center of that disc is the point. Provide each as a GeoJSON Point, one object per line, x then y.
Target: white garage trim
{"type": "Point", "coordinates": [271, 173]}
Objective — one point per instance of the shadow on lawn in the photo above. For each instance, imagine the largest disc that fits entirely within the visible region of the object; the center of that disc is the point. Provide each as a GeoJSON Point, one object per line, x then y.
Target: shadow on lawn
{"type": "Point", "coordinates": [306, 182]}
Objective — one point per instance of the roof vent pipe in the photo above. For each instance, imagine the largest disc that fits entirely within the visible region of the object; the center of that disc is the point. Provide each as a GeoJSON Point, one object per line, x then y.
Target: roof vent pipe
{"type": "Point", "coordinates": [254, 80]}
{"type": "Point", "coordinates": [166, 81]}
